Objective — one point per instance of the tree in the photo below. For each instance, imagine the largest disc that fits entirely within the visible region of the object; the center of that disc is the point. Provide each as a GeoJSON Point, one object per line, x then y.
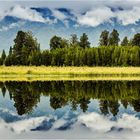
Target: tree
{"type": "Point", "coordinates": [10, 51]}
{"type": "Point", "coordinates": [35, 58]}
{"type": "Point", "coordinates": [125, 41]}
{"type": "Point", "coordinates": [114, 38]}
{"type": "Point", "coordinates": [3, 57]}
{"type": "Point", "coordinates": [24, 45]}
{"type": "Point", "coordinates": [46, 58]}
{"type": "Point", "coordinates": [104, 38]}
{"type": "Point", "coordinates": [136, 40]}
{"type": "Point", "coordinates": [74, 40]}
{"type": "Point", "coordinates": [58, 42]}
{"type": "Point", "coordinates": [84, 43]}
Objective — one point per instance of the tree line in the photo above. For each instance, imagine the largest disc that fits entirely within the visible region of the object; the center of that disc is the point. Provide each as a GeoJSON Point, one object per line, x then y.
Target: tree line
{"type": "Point", "coordinates": [74, 52]}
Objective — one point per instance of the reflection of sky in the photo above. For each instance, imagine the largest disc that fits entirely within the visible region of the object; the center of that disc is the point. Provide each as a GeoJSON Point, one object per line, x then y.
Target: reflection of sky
{"type": "Point", "coordinates": [45, 122]}
{"type": "Point", "coordinates": [5, 102]}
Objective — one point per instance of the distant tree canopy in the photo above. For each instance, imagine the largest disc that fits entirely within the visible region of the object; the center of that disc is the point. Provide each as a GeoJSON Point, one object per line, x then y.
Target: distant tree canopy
{"type": "Point", "coordinates": [75, 51]}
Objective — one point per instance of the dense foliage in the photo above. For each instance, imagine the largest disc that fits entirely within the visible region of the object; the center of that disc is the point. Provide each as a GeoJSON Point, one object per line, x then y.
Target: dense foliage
{"type": "Point", "coordinates": [74, 52]}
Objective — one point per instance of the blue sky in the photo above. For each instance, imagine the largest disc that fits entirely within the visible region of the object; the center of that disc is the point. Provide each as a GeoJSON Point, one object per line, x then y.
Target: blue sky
{"type": "Point", "coordinates": [50, 17]}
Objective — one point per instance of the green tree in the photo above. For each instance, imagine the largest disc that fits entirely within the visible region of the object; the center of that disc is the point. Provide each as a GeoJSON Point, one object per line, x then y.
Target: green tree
{"type": "Point", "coordinates": [3, 57]}
{"type": "Point", "coordinates": [84, 43]}
{"type": "Point", "coordinates": [24, 45]}
{"type": "Point", "coordinates": [74, 40]}
{"type": "Point", "coordinates": [58, 42]}
{"type": "Point", "coordinates": [46, 58]}
{"type": "Point", "coordinates": [125, 41]}
{"type": "Point", "coordinates": [104, 37]}
{"type": "Point", "coordinates": [136, 40]}
{"type": "Point", "coordinates": [114, 38]}
{"type": "Point", "coordinates": [35, 58]}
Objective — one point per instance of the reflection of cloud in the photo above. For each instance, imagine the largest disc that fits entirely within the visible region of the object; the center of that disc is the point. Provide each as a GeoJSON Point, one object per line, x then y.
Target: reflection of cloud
{"type": "Point", "coordinates": [96, 122]}
{"type": "Point", "coordinates": [23, 125]}
{"type": "Point", "coordinates": [90, 125]}
{"type": "Point", "coordinates": [9, 116]}
{"type": "Point", "coordinates": [100, 123]}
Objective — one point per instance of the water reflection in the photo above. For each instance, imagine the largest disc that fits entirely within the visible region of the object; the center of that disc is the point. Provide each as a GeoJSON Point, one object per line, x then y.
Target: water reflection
{"type": "Point", "coordinates": [26, 95]}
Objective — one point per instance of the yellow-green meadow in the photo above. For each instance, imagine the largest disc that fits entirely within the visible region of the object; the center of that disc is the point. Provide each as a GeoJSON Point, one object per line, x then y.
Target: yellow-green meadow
{"type": "Point", "coordinates": [69, 73]}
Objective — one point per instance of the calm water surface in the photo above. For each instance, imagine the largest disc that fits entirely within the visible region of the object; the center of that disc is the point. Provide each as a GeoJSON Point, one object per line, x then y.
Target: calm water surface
{"type": "Point", "coordinates": [70, 109]}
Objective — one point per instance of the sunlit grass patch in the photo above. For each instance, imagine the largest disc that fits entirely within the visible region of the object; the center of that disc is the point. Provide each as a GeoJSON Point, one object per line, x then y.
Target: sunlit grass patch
{"type": "Point", "coordinates": [89, 71]}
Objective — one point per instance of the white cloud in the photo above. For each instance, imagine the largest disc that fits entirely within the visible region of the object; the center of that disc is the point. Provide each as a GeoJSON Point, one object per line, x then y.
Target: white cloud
{"type": "Point", "coordinates": [100, 11]}
{"type": "Point", "coordinates": [25, 13]}
{"type": "Point", "coordinates": [96, 16]}
{"type": "Point", "coordinates": [11, 26]}
{"type": "Point", "coordinates": [130, 16]}
{"type": "Point", "coordinates": [59, 15]}
{"type": "Point", "coordinates": [101, 15]}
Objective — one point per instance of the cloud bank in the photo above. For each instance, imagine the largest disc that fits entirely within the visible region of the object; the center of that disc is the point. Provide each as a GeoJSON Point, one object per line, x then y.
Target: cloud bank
{"type": "Point", "coordinates": [90, 14]}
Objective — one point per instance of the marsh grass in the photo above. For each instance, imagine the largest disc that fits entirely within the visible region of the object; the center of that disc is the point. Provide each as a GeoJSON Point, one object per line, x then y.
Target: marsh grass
{"type": "Point", "coordinates": [42, 70]}
{"type": "Point", "coordinates": [29, 73]}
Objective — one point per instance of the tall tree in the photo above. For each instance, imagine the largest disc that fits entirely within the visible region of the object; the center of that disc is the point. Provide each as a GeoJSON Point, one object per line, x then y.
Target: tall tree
{"type": "Point", "coordinates": [104, 38]}
{"type": "Point", "coordinates": [10, 51]}
{"type": "Point", "coordinates": [125, 41]}
{"type": "Point", "coordinates": [3, 57]}
{"type": "Point", "coordinates": [114, 38]}
{"type": "Point", "coordinates": [74, 40]}
{"type": "Point", "coordinates": [84, 43]}
{"type": "Point", "coordinates": [136, 40]}
{"type": "Point", "coordinates": [24, 45]}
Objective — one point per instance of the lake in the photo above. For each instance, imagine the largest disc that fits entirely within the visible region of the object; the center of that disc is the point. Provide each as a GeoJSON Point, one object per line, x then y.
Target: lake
{"type": "Point", "coordinates": [70, 109]}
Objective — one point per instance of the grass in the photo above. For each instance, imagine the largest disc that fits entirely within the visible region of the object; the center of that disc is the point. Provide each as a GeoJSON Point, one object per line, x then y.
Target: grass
{"type": "Point", "coordinates": [42, 70]}
{"type": "Point", "coordinates": [66, 73]}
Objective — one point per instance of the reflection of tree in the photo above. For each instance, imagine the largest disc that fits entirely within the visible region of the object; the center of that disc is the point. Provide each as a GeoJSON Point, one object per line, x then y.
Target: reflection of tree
{"type": "Point", "coordinates": [136, 105]}
{"type": "Point", "coordinates": [26, 95]}
{"type": "Point", "coordinates": [84, 104]}
{"type": "Point", "coordinates": [24, 103]}
{"type": "Point", "coordinates": [23, 96]}
{"type": "Point", "coordinates": [104, 107]}
{"type": "Point", "coordinates": [57, 102]}
{"type": "Point", "coordinates": [113, 107]}
{"type": "Point", "coordinates": [124, 103]}
{"type": "Point", "coordinates": [3, 90]}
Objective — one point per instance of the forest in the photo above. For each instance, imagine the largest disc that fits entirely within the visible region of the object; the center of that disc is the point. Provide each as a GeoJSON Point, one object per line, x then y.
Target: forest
{"type": "Point", "coordinates": [111, 51]}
